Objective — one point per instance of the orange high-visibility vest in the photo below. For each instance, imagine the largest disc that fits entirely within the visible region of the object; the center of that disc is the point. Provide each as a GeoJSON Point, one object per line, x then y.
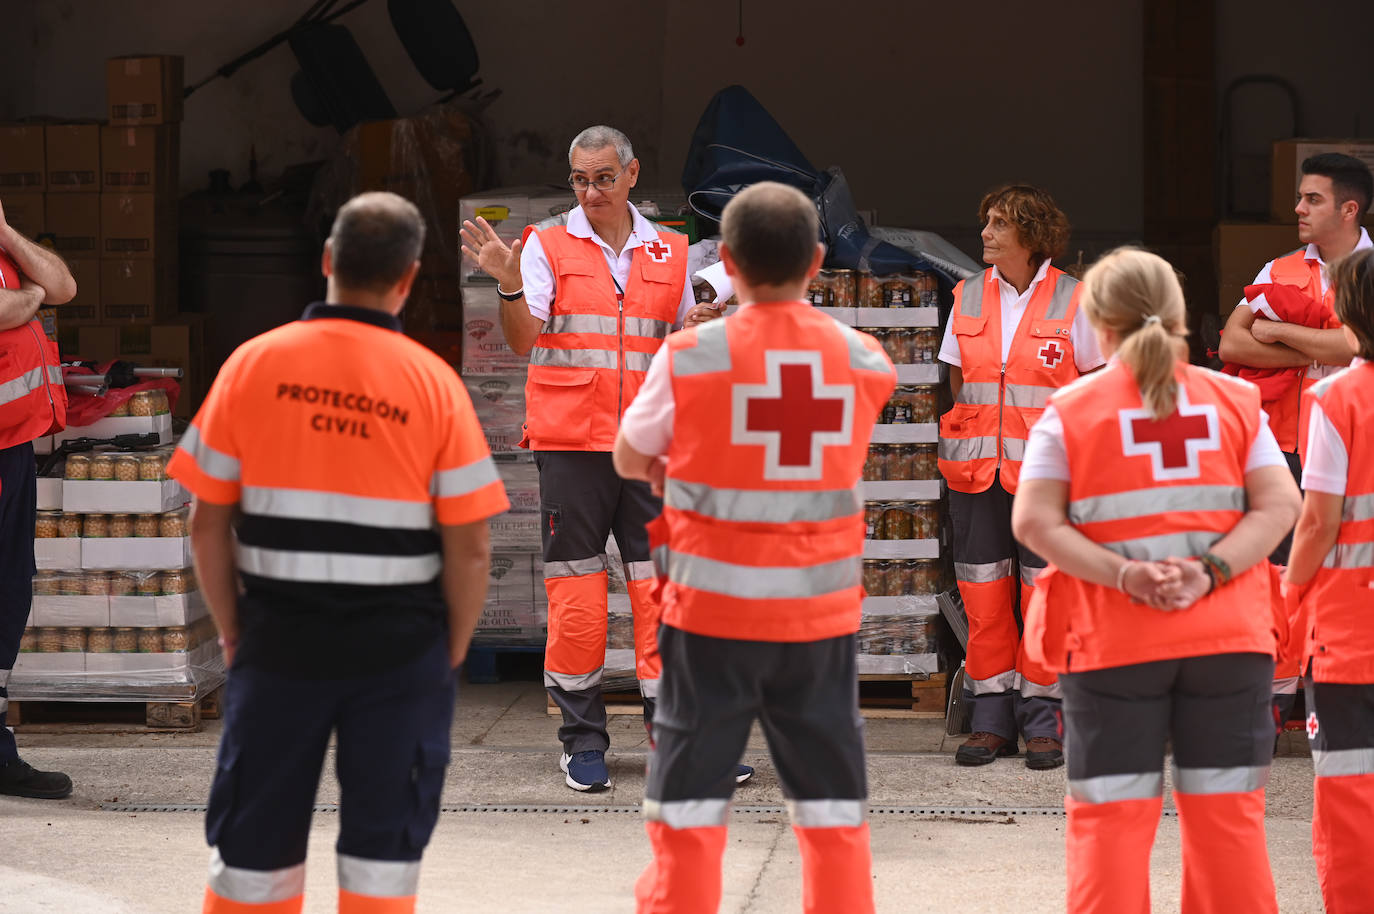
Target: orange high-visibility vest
{"type": "Point", "coordinates": [1149, 490]}
{"type": "Point", "coordinates": [1288, 414]}
{"type": "Point", "coordinates": [762, 512]}
{"type": "Point", "coordinates": [589, 361]}
{"type": "Point", "coordinates": [983, 436]}
{"type": "Point", "coordinates": [1340, 641]}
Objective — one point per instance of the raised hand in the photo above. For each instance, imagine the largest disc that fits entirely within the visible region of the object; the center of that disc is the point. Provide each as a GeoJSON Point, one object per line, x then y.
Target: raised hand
{"type": "Point", "coordinates": [486, 249]}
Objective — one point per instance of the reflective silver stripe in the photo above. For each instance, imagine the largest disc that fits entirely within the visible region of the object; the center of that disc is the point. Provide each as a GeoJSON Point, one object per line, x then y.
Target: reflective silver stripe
{"type": "Point", "coordinates": [1342, 762]}
{"type": "Point", "coordinates": [1350, 555]}
{"type": "Point", "coordinates": [639, 571]}
{"type": "Point", "coordinates": [648, 688]}
{"type": "Point", "coordinates": [710, 354]}
{"type": "Point", "coordinates": [1029, 573]}
{"type": "Point", "coordinates": [574, 682]}
{"type": "Point", "coordinates": [982, 572]}
{"type": "Point", "coordinates": [1036, 690]}
{"type": "Point", "coordinates": [1288, 685]}
{"type": "Point", "coordinates": [379, 878]}
{"type": "Point", "coordinates": [1241, 779]}
{"type": "Point", "coordinates": [980, 393]}
{"type": "Point", "coordinates": [962, 450]}
{"type": "Point", "coordinates": [861, 358]}
{"type": "Point", "coordinates": [1113, 788]}
{"type": "Point", "coordinates": [1358, 507]}
{"type": "Point", "coordinates": [302, 504]}
{"type": "Point", "coordinates": [659, 556]}
{"type": "Point", "coordinates": [216, 464]}
{"type": "Point", "coordinates": [1061, 298]}
{"type": "Point", "coordinates": [55, 374]}
{"type": "Point", "coordinates": [576, 568]}
{"type": "Point", "coordinates": [688, 813]}
{"type": "Point", "coordinates": [464, 479]}
{"type": "Point", "coordinates": [583, 323]}
{"type": "Point", "coordinates": [1158, 548]}
{"type": "Point", "coordinates": [638, 361]}
{"type": "Point", "coordinates": [765, 506]}
{"type": "Point", "coordinates": [24, 385]}
{"type": "Point", "coordinates": [1029, 396]}
{"type": "Point", "coordinates": [647, 327]}
{"type": "Point", "coordinates": [1160, 500]}
{"type": "Point", "coordinates": [827, 813]}
{"type": "Point", "coordinates": [1002, 682]}
{"type": "Point", "coordinates": [339, 567]}
{"type": "Point", "coordinates": [1013, 448]}
{"type": "Point", "coordinates": [762, 583]}
{"type": "Point", "coordinates": [233, 883]}
{"type": "Point", "coordinates": [573, 358]}
{"type": "Point", "coordinates": [971, 299]}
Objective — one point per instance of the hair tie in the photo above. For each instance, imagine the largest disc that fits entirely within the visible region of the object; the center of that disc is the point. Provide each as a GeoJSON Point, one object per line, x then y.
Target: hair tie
{"type": "Point", "coordinates": [1152, 319]}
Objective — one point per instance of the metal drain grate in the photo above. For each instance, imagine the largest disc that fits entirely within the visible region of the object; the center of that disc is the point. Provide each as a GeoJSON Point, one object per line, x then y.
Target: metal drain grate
{"type": "Point", "coordinates": [929, 812]}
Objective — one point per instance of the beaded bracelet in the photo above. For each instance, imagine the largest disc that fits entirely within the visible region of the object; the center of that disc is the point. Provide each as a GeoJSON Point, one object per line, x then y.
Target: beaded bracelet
{"type": "Point", "coordinates": [1216, 567]}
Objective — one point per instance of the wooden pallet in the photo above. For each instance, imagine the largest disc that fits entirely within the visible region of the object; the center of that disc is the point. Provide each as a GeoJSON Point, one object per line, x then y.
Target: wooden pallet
{"type": "Point", "coordinates": [881, 696]}
{"type": "Point", "coordinates": [113, 716]}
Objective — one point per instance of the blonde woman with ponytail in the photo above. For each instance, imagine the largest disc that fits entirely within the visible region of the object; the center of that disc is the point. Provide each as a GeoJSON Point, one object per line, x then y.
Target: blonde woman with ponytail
{"type": "Point", "coordinates": [1155, 489]}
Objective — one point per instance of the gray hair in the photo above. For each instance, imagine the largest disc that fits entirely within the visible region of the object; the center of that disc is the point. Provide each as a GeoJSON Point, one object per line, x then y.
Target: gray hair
{"type": "Point", "coordinates": [601, 136]}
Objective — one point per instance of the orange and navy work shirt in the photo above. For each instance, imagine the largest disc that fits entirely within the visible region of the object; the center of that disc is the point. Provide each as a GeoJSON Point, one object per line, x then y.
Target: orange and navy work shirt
{"type": "Point", "coordinates": [345, 445]}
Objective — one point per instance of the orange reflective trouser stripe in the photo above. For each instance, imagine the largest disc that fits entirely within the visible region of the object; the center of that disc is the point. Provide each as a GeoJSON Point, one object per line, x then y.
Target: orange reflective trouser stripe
{"type": "Point", "coordinates": [1342, 840]}
{"type": "Point", "coordinates": [1225, 858]}
{"type": "Point", "coordinates": [647, 611]}
{"type": "Point", "coordinates": [837, 870]}
{"type": "Point", "coordinates": [577, 624]}
{"type": "Point", "coordinates": [992, 634]}
{"type": "Point", "coordinates": [1031, 671]}
{"type": "Point", "coordinates": [684, 875]}
{"type": "Point", "coordinates": [214, 904]}
{"type": "Point", "coordinates": [353, 903]}
{"type": "Point", "coordinates": [1108, 855]}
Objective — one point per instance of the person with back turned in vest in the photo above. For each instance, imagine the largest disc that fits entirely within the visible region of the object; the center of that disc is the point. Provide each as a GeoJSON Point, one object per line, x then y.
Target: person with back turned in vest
{"type": "Point", "coordinates": [1331, 572]}
{"type": "Point", "coordinates": [33, 403]}
{"type": "Point", "coordinates": [342, 494]}
{"type": "Point", "coordinates": [591, 297]}
{"type": "Point", "coordinates": [1015, 335]}
{"type": "Point", "coordinates": [756, 428]}
{"type": "Point", "coordinates": [1285, 334]}
{"type": "Point", "coordinates": [1155, 489]}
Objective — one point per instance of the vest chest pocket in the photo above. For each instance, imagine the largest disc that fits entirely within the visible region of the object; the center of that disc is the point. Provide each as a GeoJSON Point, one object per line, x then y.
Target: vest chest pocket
{"type": "Point", "coordinates": [1051, 344]}
{"type": "Point", "coordinates": [968, 324]}
{"type": "Point", "coordinates": [561, 404]}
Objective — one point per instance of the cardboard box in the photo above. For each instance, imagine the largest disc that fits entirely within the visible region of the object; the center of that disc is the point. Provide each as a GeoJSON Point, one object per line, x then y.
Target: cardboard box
{"type": "Point", "coordinates": [120, 425]}
{"type": "Point", "coordinates": [516, 532]}
{"type": "Point", "coordinates": [509, 210]}
{"type": "Point", "coordinates": [112, 553]}
{"type": "Point", "coordinates": [24, 211]}
{"type": "Point", "coordinates": [177, 344]}
{"type": "Point", "coordinates": [44, 665]}
{"type": "Point", "coordinates": [74, 221]}
{"type": "Point", "coordinates": [143, 89]}
{"type": "Point", "coordinates": [511, 578]}
{"type": "Point", "coordinates": [500, 404]}
{"type": "Point", "coordinates": [22, 165]}
{"type": "Point", "coordinates": [57, 553]}
{"type": "Point", "coordinates": [49, 493]}
{"type": "Point", "coordinates": [1241, 250]}
{"type": "Point", "coordinates": [137, 226]}
{"type": "Point", "coordinates": [485, 350]}
{"type": "Point", "coordinates": [140, 160]}
{"type": "Point", "coordinates": [1286, 171]}
{"type": "Point", "coordinates": [103, 497]}
{"type": "Point", "coordinates": [146, 612]}
{"type": "Point", "coordinates": [521, 480]}
{"type": "Point", "coordinates": [85, 307]}
{"type": "Point", "coordinates": [62, 611]}
{"type": "Point", "coordinates": [73, 158]}
{"type": "Point", "coordinates": [137, 290]}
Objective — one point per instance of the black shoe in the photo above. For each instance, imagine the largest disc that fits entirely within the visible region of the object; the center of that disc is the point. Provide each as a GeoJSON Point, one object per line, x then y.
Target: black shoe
{"type": "Point", "coordinates": [983, 748]}
{"type": "Point", "coordinates": [1044, 753]}
{"type": "Point", "coordinates": [20, 779]}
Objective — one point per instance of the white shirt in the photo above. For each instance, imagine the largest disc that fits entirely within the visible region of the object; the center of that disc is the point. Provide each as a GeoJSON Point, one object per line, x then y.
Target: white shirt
{"type": "Point", "coordinates": [1326, 464]}
{"type": "Point", "coordinates": [1260, 306]}
{"type": "Point", "coordinates": [1086, 354]}
{"type": "Point", "coordinates": [1047, 458]}
{"type": "Point", "coordinates": [538, 279]}
{"type": "Point", "coordinates": [647, 422]}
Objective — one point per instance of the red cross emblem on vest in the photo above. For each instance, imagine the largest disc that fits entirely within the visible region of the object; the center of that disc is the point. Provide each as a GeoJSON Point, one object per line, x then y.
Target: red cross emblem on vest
{"type": "Point", "coordinates": [795, 415]}
{"type": "Point", "coordinates": [1312, 726]}
{"type": "Point", "coordinates": [1174, 443]}
{"type": "Point", "coordinates": [658, 251]}
{"type": "Point", "coordinates": [1051, 354]}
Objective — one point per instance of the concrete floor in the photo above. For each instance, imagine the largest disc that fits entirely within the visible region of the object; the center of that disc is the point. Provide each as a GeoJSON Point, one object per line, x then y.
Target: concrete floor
{"type": "Point", "coordinates": [932, 847]}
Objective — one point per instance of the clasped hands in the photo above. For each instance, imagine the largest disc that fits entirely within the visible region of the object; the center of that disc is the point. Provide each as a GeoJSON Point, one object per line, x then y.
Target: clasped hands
{"type": "Point", "coordinates": [1170, 585]}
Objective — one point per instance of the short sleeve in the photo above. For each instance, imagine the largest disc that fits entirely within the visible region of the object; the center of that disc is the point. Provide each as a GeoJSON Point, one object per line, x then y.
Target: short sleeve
{"type": "Point", "coordinates": [1264, 450]}
{"type": "Point", "coordinates": [1326, 463]}
{"type": "Point", "coordinates": [949, 346]}
{"type": "Point", "coordinates": [536, 275]}
{"type": "Point", "coordinates": [466, 487]}
{"type": "Point", "coordinates": [648, 421]}
{"type": "Point", "coordinates": [1087, 354]}
{"type": "Point", "coordinates": [1046, 457]}
{"type": "Point", "coordinates": [207, 459]}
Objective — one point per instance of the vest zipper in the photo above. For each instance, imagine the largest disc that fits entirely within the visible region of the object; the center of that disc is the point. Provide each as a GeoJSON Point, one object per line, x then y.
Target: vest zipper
{"type": "Point", "coordinates": [43, 361]}
{"type": "Point", "coordinates": [620, 363]}
{"type": "Point", "coordinates": [1001, 399]}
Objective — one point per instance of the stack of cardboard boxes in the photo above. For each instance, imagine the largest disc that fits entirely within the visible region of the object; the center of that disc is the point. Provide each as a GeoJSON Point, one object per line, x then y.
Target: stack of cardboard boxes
{"type": "Point", "coordinates": [1242, 248]}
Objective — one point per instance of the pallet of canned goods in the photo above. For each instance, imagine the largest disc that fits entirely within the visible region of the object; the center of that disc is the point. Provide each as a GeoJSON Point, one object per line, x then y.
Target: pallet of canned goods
{"type": "Point", "coordinates": [898, 290]}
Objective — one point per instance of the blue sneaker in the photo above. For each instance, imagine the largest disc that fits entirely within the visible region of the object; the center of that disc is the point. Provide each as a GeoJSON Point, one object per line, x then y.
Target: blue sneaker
{"type": "Point", "coordinates": [585, 770]}
{"type": "Point", "coordinates": [743, 773]}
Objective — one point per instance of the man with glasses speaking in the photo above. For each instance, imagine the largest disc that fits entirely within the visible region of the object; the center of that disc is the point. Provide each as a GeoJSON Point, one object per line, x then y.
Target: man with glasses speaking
{"type": "Point", "coordinates": [591, 297]}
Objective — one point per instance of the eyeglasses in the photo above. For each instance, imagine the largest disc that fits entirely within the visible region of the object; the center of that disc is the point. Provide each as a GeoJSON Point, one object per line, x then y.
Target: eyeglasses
{"type": "Point", "coordinates": [579, 184]}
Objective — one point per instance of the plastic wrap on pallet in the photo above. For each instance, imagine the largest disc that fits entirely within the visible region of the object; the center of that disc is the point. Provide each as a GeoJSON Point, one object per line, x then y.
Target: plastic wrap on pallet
{"type": "Point", "coordinates": [485, 350]}
{"type": "Point", "coordinates": [899, 635]}
{"type": "Point", "coordinates": [151, 663]}
{"type": "Point", "coordinates": [619, 673]}
{"type": "Point", "coordinates": [499, 401]}
{"type": "Point", "coordinates": [917, 666]}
